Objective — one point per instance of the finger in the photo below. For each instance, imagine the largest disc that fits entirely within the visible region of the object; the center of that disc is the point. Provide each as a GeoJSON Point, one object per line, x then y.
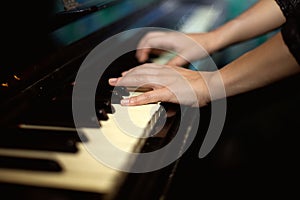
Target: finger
{"type": "Point", "coordinates": [133, 81]}
{"type": "Point", "coordinates": [153, 96]}
{"type": "Point", "coordinates": [124, 73]}
{"type": "Point", "coordinates": [113, 81]}
{"type": "Point", "coordinates": [145, 75]}
{"type": "Point", "coordinates": [148, 36]}
{"type": "Point", "coordinates": [177, 61]}
{"type": "Point", "coordinates": [157, 51]}
{"type": "Point", "coordinates": [144, 48]}
{"type": "Point", "coordinates": [143, 54]}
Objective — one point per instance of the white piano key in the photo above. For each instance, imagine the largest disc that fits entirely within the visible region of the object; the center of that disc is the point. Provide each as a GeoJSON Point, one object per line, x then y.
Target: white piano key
{"type": "Point", "coordinates": [81, 171]}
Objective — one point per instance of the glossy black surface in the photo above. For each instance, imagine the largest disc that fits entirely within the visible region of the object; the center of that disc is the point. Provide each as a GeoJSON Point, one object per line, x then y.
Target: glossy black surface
{"type": "Point", "coordinates": [36, 164]}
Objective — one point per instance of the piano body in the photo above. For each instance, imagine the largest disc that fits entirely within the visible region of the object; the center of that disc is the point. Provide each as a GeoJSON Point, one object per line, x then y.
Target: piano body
{"type": "Point", "coordinates": [42, 156]}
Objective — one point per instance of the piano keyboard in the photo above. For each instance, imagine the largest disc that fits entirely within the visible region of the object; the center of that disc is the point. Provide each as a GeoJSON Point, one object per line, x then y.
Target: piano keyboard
{"type": "Point", "coordinates": [80, 171]}
{"type": "Point", "coordinates": [53, 156]}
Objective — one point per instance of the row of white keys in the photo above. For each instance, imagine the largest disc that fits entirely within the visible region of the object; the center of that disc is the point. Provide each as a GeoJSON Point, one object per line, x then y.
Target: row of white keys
{"type": "Point", "coordinates": [81, 170]}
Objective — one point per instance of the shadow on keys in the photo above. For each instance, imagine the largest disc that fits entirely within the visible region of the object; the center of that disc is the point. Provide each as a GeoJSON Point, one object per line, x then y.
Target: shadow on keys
{"type": "Point", "coordinates": [42, 155]}
{"type": "Point", "coordinates": [45, 157]}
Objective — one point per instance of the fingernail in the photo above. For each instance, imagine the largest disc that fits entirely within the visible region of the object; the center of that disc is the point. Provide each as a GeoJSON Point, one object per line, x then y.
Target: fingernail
{"type": "Point", "coordinates": [112, 80]}
{"type": "Point", "coordinates": [125, 102]}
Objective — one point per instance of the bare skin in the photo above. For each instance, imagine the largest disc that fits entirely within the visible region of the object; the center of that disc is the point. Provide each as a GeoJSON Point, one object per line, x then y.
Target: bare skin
{"type": "Point", "coordinates": [261, 66]}
{"type": "Point", "coordinates": [243, 27]}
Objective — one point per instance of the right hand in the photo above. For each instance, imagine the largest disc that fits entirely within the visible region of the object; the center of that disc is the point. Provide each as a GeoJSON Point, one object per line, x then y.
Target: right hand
{"type": "Point", "coordinates": [188, 47]}
{"type": "Point", "coordinates": [167, 84]}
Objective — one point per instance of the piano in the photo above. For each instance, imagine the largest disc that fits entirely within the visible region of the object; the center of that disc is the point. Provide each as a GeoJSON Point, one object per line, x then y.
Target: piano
{"type": "Point", "coordinates": [43, 152]}
{"type": "Point", "coordinates": [45, 155]}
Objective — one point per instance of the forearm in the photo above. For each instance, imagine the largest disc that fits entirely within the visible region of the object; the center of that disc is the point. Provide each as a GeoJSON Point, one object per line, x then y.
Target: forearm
{"type": "Point", "coordinates": [262, 17]}
{"type": "Point", "coordinates": [265, 64]}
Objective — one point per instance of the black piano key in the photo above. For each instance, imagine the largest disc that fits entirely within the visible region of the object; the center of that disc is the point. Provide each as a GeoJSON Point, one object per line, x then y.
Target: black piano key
{"type": "Point", "coordinates": [35, 164]}
{"type": "Point", "coordinates": [102, 93]}
{"type": "Point", "coordinates": [116, 98]}
{"type": "Point", "coordinates": [55, 113]}
{"type": "Point", "coordinates": [102, 99]}
{"type": "Point", "coordinates": [43, 140]}
{"type": "Point", "coordinates": [105, 97]}
{"type": "Point", "coordinates": [100, 102]}
{"type": "Point", "coordinates": [104, 104]}
{"type": "Point", "coordinates": [112, 94]}
{"type": "Point", "coordinates": [101, 114]}
{"type": "Point", "coordinates": [120, 90]}
{"type": "Point", "coordinates": [30, 192]}
{"type": "Point", "coordinates": [118, 93]}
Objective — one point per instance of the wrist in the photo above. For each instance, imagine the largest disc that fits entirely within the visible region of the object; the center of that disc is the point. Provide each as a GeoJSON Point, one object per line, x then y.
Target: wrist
{"type": "Point", "coordinates": [209, 87]}
{"type": "Point", "coordinates": [215, 86]}
{"type": "Point", "coordinates": [217, 40]}
{"type": "Point", "coordinates": [225, 35]}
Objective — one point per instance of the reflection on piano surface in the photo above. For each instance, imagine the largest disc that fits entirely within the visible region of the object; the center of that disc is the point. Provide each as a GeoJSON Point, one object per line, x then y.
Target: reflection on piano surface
{"type": "Point", "coordinates": [42, 155]}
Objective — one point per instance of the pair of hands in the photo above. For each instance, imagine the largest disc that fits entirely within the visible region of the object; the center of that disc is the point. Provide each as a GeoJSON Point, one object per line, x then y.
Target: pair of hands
{"type": "Point", "coordinates": [169, 82]}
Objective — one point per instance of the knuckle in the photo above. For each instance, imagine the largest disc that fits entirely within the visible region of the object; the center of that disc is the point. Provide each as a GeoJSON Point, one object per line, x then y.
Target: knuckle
{"type": "Point", "coordinates": [148, 97]}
